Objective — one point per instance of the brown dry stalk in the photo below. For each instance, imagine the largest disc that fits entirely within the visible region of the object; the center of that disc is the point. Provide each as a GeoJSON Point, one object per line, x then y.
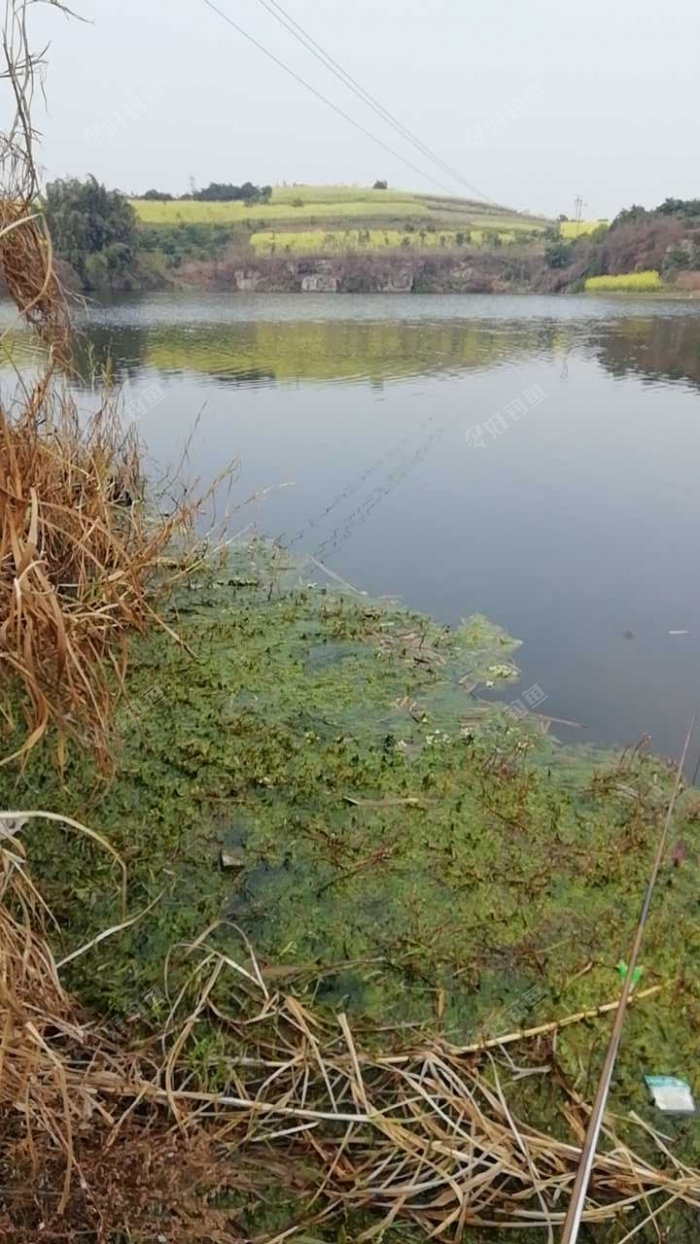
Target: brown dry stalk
{"type": "Point", "coordinates": [77, 568]}
{"type": "Point", "coordinates": [424, 1133]}
{"type": "Point", "coordinates": [80, 554]}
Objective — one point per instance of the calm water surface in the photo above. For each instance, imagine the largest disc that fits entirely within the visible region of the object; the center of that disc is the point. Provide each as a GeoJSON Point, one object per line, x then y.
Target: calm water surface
{"type": "Point", "coordinates": [576, 527]}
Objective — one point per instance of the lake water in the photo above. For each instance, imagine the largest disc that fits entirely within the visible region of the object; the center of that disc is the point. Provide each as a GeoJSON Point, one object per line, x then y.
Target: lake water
{"type": "Point", "coordinates": [573, 524]}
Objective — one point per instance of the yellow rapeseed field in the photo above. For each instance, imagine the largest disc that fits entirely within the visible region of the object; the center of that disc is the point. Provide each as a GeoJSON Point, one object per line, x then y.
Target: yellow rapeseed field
{"type": "Point", "coordinates": [626, 282]}
{"type": "Point", "coordinates": [194, 212]}
{"type": "Point", "coordinates": [335, 241]}
{"type": "Point", "coordinates": [575, 229]}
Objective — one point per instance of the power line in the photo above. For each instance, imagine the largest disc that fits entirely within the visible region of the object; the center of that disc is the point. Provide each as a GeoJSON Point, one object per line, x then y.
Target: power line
{"type": "Point", "coordinates": [302, 36]}
{"type": "Point", "coordinates": [324, 99]}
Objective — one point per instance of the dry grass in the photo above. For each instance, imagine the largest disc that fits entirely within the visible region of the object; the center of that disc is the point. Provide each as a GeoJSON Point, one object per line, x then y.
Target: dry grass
{"type": "Point", "coordinates": [26, 268]}
{"type": "Point", "coordinates": [90, 1130]}
{"type": "Point", "coordinates": [80, 559]}
{"type": "Point", "coordinates": [80, 555]}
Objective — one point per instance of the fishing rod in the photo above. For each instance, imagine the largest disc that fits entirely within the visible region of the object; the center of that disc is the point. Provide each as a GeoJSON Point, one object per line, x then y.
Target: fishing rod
{"type": "Point", "coordinates": [583, 1174]}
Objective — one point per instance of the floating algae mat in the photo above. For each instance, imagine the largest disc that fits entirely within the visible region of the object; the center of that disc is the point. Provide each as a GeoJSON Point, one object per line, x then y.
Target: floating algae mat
{"type": "Point", "coordinates": [404, 852]}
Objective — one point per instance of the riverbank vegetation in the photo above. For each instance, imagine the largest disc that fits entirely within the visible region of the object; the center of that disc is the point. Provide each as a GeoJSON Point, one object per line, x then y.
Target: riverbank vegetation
{"type": "Point", "coordinates": [320, 221]}
{"type": "Point", "coordinates": [353, 924]}
{"type": "Point", "coordinates": [664, 240]}
{"type": "Point", "coordinates": [330, 946]}
{"type": "Point", "coordinates": [92, 229]}
{"type": "Point", "coordinates": [344, 239]}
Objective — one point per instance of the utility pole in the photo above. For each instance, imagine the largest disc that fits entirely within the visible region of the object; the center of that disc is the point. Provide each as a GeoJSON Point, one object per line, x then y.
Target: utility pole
{"type": "Point", "coordinates": [578, 204]}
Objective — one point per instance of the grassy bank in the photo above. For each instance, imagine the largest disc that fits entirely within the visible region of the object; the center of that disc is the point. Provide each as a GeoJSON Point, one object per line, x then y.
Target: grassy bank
{"type": "Point", "coordinates": [393, 849]}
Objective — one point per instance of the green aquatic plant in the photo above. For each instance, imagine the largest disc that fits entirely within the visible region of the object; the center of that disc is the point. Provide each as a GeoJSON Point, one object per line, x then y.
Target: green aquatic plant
{"type": "Point", "coordinates": [403, 852]}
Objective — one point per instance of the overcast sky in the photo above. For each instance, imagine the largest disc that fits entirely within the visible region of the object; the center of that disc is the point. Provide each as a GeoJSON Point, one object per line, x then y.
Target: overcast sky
{"type": "Point", "coordinates": [618, 120]}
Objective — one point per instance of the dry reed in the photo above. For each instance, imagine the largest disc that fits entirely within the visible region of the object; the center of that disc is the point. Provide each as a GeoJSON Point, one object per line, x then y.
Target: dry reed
{"type": "Point", "coordinates": [80, 554]}
{"type": "Point", "coordinates": [423, 1132]}
{"type": "Point", "coordinates": [80, 559]}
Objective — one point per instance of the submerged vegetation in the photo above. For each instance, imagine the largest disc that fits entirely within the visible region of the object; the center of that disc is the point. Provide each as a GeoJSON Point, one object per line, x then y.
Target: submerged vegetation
{"type": "Point", "coordinates": [385, 880]}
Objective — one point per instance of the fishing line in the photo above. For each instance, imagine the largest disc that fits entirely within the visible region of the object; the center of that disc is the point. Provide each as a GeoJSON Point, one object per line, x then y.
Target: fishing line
{"type": "Point", "coordinates": [578, 1196]}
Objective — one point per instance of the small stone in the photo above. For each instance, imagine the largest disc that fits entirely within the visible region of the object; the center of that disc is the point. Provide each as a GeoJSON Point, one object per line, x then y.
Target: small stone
{"type": "Point", "coordinates": [231, 861]}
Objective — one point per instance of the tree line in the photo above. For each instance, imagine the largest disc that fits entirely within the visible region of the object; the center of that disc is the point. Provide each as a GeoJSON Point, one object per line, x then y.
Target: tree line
{"type": "Point", "coordinates": [665, 239]}
{"type": "Point", "coordinates": [96, 231]}
{"type": "Point", "coordinates": [216, 192]}
{"type": "Point", "coordinates": [92, 228]}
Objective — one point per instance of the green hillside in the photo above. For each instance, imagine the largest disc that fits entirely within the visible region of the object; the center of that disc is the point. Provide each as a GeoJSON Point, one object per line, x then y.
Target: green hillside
{"type": "Point", "coordinates": [327, 218]}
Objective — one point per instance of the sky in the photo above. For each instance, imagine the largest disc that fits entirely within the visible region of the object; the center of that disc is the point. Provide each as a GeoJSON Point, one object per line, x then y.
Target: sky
{"type": "Point", "coordinates": [154, 93]}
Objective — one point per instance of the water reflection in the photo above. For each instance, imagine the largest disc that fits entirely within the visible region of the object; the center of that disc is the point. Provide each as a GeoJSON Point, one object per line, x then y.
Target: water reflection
{"type": "Point", "coordinates": [346, 352]}
{"type": "Point", "coordinates": [228, 343]}
{"type": "Point", "coordinates": [572, 529]}
{"type": "Point", "coordinates": [655, 347]}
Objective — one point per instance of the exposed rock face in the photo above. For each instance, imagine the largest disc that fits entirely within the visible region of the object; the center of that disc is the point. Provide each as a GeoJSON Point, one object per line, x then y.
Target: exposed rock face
{"type": "Point", "coordinates": [319, 283]}
{"type": "Point", "coordinates": [246, 279]}
{"type": "Point", "coordinates": [399, 282]}
{"type": "Point", "coordinates": [370, 273]}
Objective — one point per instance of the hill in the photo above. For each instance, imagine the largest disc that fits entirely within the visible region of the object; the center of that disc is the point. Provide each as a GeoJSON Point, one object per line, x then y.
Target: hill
{"type": "Point", "coordinates": [316, 219]}
{"type": "Point", "coordinates": [349, 239]}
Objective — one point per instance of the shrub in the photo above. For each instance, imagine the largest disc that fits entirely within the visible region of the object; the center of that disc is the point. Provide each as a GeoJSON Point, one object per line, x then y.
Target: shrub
{"type": "Point", "coordinates": [630, 216]}
{"type": "Point", "coordinates": [676, 258]}
{"type": "Point", "coordinates": [558, 254]}
{"type": "Point", "coordinates": [680, 207]}
{"type": "Point", "coordinates": [227, 192]}
{"type": "Point", "coordinates": [641, 247]}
